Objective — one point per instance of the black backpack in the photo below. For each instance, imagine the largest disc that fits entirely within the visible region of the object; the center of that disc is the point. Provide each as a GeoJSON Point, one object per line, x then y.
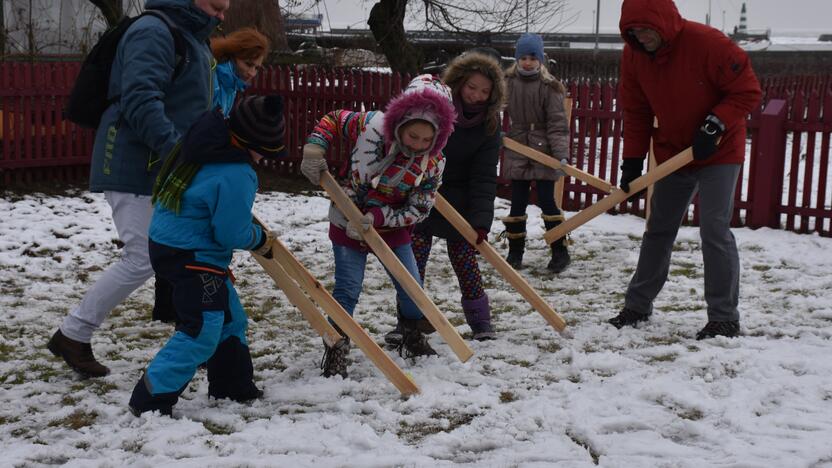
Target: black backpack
{"type": "Point", "coordinates": [89, 96]}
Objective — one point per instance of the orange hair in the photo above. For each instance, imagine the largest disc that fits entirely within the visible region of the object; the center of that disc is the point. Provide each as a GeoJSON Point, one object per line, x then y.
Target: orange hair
{"type": "Point", "coordinates": [245, 43]}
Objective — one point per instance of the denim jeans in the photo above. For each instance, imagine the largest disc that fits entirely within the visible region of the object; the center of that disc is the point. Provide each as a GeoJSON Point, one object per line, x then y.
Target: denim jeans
{"type": "Point", "coordinates": [349, 278]}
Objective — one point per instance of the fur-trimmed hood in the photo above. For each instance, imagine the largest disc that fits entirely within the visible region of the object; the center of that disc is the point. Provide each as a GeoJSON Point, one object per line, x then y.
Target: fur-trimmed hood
{"type": "Point", "coordinates": [425, 98]}
{"type": "Point", "coordinates": [469, 63]}
{"type": "Point", "coordinates": [545, 76]}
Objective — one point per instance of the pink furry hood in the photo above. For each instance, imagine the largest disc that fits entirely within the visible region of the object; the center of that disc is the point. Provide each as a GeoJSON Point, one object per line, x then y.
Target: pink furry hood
{"type": "Point", "coordinates": [425, 98]}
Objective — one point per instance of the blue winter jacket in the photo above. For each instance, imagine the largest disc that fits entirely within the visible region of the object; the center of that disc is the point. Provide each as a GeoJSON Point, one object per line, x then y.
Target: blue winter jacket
{"type": "Point", "coordinates": [152, 112]}
{"type": "Point", "coordinates": [215, 213]}
{"type": "Point", "coordinates": [226, 86]}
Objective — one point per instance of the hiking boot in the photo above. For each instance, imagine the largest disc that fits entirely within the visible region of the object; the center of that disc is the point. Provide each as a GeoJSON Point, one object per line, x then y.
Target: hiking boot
{"type": "Point", "coordinates": [730, 329]}
{"type": "Point", "coordinates": [336, 359]}
{"type": "Point", "coordinates": [560, 259]}
{"type": "Point", "coordinates": [628, 317]}
{"type": "Point", "coordinates": [77, 355]}
{"type": "Point", "coordinates": [394, 336]}
{"type": "Point", "coordinates": [415, 343]}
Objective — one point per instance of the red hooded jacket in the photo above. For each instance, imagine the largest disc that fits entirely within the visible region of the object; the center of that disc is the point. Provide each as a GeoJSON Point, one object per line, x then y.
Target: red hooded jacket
{"type": "Point", "coordinates": [697, 71]}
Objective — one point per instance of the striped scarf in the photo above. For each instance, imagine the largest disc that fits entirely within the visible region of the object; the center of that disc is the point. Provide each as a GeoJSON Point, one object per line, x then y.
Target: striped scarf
{"type": "Point", "coordinates": [173, 180]}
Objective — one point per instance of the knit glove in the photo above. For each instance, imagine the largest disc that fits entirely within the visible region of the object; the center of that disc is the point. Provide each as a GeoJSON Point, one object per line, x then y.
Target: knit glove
{"type": "Point", "coordinates": [265, 249]}
{"type": "Point", "coordinates": [560, 172]}
{"type": "Point", "coordinates": [357, 232]}
{"type": "Point", "coordinates": [482, 235]}
{"type": "Point", "coordinates": [630, 170]}
{"type": "Point", "coordinates": [313, 163]}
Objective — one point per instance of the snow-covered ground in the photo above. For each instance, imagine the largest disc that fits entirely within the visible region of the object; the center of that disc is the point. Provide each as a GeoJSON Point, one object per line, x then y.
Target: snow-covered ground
{"type": "Point", "coordinates": [643, 397]}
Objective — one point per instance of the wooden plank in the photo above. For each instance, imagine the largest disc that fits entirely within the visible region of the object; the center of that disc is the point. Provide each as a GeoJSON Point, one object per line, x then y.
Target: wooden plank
{"type": "Point", "coordinates": [549, 161]}
{"type": "Point", "coordinates": [495, 259]}
{"type": "Point", "coordinates": [617, 196]}
{"type": "Point", "coordinates": [350, 327]}
{"type": "Point", "coordinates": [394, 265]}
{"type": "Point", "coordinates": [293, 279]}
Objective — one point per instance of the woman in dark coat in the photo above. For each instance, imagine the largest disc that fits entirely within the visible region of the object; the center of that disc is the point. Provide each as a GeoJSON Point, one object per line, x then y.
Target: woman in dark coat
{"type": "Point", "coordinates": [469, 182]}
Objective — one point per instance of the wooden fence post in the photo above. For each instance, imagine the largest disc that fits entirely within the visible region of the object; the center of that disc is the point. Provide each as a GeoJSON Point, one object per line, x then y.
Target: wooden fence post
{"type": "Point", "coordinates": [767, 167]}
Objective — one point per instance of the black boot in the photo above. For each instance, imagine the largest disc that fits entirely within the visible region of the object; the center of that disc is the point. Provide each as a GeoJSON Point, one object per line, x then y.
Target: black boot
{"type": "Point", "coordinates": [628, 317]}
{"type": "Point", "coordinates": [335, 360]}
{"type": "Point", "coordinates": [394, 336]}
{"type": "Point", "coordinates": [516, 235]}
{"type": "Point", "coordinates": [560, 255]}
{"type": "Point", "coordinates": [414, 338]}
{"type": "Point", "coordinates": [231, 373]}
{"type": "Point", "coordinates": [729, 329]}
{"type": "Point", "coordinates": [77, 354]}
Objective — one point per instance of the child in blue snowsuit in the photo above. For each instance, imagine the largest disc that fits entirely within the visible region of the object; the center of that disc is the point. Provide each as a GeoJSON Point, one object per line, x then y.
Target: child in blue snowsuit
{"type": "Point", "coordinates": [202, 213]}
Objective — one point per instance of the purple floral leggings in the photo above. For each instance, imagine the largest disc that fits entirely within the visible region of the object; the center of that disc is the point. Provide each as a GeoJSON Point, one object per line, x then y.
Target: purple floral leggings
{"type": "Point", "coordinates": [463, 259]}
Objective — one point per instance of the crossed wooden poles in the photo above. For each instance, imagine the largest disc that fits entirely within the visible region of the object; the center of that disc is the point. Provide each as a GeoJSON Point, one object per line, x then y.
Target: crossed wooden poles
{"type": "Point", "coordinates": [615, 196]}
{"type": "Point", "coordinates": [296, 282]}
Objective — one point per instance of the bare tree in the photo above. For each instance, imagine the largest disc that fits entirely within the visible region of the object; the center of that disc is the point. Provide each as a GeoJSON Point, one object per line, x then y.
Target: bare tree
{"type": "Point", "coordinates": [112, 10]}
{"type": "Point", "coordinates": [387, 24]}
{"type": "Point", "coordinates": [264, 15]}
{"type": "Point", "coordinates": [478, 18]}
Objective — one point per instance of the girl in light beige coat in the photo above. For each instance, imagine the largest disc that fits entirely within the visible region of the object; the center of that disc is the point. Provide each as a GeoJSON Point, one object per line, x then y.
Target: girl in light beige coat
{"type": "Point", "coordinates": [538, 120]}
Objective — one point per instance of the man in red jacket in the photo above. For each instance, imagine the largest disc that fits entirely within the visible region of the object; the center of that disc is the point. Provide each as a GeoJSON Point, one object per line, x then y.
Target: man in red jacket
{"type": "Point", "coordinates": [700, 87]}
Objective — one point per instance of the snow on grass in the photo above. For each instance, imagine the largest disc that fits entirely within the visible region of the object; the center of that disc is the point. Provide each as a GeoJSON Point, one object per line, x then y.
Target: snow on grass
{"type": "Point", "coordinates": [651, 396]}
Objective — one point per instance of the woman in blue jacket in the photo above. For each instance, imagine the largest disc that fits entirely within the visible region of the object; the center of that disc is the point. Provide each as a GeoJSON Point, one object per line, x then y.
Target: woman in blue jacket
{"type": "Point", "coordinates": [239, 57]}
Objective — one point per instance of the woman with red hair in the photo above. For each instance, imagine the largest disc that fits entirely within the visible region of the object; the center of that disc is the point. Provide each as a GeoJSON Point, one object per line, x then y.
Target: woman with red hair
{"type": "Point", "coordinates": [240, 56]}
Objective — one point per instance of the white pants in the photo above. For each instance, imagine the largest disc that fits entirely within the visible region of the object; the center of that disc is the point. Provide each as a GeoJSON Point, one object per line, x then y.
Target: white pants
{"type": "Point", "coordinates": [131, 215]}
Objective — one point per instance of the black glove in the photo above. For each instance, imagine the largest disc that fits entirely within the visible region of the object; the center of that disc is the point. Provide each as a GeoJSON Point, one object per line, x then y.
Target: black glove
{"type": "Point", "coordinates": [630, 170]}
{"type": "Point", "coordinates": [705, 140]}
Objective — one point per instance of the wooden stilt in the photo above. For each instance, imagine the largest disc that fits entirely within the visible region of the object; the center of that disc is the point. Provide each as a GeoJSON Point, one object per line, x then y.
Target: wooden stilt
{"type": "Point", "coordinates": [494, 258]}
{"type": "Point", "coordinates": [394, 265]}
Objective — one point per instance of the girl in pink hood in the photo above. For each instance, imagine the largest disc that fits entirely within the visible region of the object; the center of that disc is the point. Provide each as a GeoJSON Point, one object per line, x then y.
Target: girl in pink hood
{"type": "Point", "coordinates": [395, 170]}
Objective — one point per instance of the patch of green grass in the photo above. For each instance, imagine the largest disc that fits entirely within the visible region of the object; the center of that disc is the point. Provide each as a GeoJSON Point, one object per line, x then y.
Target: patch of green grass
{"type": "Point", "coordinates": [761, 268]}
{"type": "Point", "coordinates": [753, 248]}
{"type": "Point", "coordinates": [549, 347]}
{"type": "Point", "coordinates": [691, 414]}
{"type": "Point", "coordinates": [507, 397]}
{"type": "Point", "coordinates": [76, 420]}
{"type": "Point", "coordinates": [101, 387]}
{"type": "Point", "coordinates": [6, 352]}
{"type": "Point", "coordinates": [519, 362]}
{"type": "Point", "coordinates": [663, 358]}
{"type": "Point", "coordinates": [217, 429]}
{"type": "Point", "coordinates": [415, 432]}
{"type": "Point", "coordinates": [687, 272]}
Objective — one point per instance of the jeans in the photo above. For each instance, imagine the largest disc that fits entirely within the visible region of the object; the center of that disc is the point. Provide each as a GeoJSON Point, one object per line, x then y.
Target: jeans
{"type": "Point", "coordinates": [131, 215]}
{"type": "Point", "coordinates": [349, 278]}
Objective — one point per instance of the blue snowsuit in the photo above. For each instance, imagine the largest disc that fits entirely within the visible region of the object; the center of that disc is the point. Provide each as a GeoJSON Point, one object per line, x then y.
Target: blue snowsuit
{"type": "Point", "coordinates": [192, 250]}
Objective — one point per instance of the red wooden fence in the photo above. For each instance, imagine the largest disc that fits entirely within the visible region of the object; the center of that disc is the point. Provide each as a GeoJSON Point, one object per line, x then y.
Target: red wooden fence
{"type": "Point", "coordinates": [779, 190]}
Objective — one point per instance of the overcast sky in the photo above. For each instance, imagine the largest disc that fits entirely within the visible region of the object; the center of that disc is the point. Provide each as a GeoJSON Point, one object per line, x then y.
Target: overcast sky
{"type": "Point", "coordinates": [784, 17]}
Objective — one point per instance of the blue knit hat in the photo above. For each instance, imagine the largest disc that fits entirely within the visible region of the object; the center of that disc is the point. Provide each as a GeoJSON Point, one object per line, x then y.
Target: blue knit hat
{"type": "Point", "coordinates": [529, 44]}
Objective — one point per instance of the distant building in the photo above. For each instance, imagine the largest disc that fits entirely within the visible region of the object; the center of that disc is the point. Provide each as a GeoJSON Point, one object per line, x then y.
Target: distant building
{"type": "Point", "coordinates": [303, 24]}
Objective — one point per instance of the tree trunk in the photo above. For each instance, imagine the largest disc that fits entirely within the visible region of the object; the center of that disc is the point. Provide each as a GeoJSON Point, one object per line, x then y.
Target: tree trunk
{"type": "Point", "coordinates": [112, 10]}
{"type": "Point", "coordinates": [2, 30]}
{"type": "Point", "coordinates": [261, 14]}
{"type": "Point", "coordinates": [387, 24]}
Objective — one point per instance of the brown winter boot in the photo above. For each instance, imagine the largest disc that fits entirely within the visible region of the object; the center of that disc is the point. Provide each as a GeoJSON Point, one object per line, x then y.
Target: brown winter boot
{"type": "Point", "coordinates": [516, 235]}
{"type": "Point", "coordinates": [78, 355]}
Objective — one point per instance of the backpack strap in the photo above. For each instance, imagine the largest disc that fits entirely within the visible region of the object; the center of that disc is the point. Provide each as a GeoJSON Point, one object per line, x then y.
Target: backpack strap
{"type": "Point", "coordinates": [179, 45]}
